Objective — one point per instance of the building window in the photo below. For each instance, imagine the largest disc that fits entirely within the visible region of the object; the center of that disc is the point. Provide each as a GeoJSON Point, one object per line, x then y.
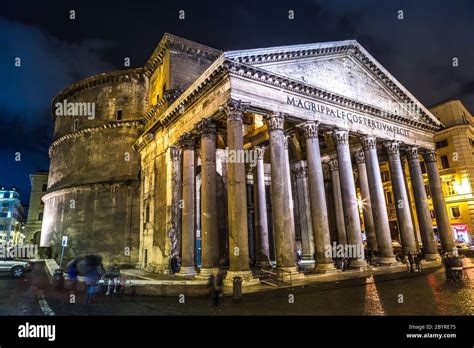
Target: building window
{"type": "Point", "coordinates": [427, 190]}
{"type": "Point", "coordinates": [388, 195]}
{"type": "Point", "coordinates": [442, 143]}
{"type": "Point", "coordinates": [455, 212]}
{"type": "Point", "coordinates": [444, 162]}
{"type": "Point", "coordinates": [44, 188]}
{"type": "Point", "coordinates": [40, 217]}
{"type": "Point", "coordinates": [450, 185]}
{"type": "Point", "coordinates": [423, 167]}
{"type": "Point", "coordinates": [147, 213]}
{"type": "Point", "coordinates": [119, 115]}
{"type": "Point", "coordinates": [385, 176]}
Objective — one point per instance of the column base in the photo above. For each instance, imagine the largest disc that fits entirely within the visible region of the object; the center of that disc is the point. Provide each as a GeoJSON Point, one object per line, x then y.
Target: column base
{"type": "Point", "coordinates": [307, 257]}
{"type": "Point", "coordinates": [264, 264]}
{"type": "Point", "coordinates": [247, 278]}
{"type": "Point", "coordinates": [325, 268]}
{"type": "Point", "coordinates": [307, 264]}
{"type": "Point", "coordinates": [358, 263]}
{"type": "Point", "coordinates": [188, 271]}
{"type": "Point", "coordinates": [387, 261]}
{"type": "Point", "coordinates": [289, 273]}
{"type": "Point", "coordinates": [207, 272]}
{"type": "Point", "coordinates": [432, 257]}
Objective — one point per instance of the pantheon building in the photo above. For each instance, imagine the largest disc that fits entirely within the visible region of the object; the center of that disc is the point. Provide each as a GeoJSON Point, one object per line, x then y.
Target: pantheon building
{"type": "Point", "coordinates": [243, 159]}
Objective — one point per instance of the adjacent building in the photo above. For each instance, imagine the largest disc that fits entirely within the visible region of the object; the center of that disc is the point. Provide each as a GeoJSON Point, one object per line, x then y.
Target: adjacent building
{"type": "Point", "coordinates": [12, 218]}
{"type": "Point", "coordinates": [39, 185]}
{"type": "Point", "coordinates": [455, 149]}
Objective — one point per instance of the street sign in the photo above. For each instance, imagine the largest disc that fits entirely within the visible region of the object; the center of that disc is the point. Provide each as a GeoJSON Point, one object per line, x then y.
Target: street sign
{"type": "Point", "coordinates": [64, 245]}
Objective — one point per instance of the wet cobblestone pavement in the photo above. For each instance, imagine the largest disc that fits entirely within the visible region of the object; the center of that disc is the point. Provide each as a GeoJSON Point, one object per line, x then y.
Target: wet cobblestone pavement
{"type": "Point", "coordinates": [388, 294]}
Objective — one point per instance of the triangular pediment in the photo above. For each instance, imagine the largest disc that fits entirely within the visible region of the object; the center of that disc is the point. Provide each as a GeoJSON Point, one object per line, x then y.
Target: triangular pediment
{"type": "Point", "coordinates": [343, 68]}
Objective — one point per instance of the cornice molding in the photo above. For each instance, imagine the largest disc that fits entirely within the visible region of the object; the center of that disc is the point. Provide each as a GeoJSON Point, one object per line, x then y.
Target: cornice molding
{"type": "Point", "coordinates": [97, 80]}
{"type": "Point", "coordinates": [169, 41]}
{"type": "Point", "coordinates": [95, 129]}
{"type": "Point", "coordinates": [54, 192]}
{"type": "Point", "coordinates": [143, 141]}
{"type": "Point", "coordinates": [157, 109]}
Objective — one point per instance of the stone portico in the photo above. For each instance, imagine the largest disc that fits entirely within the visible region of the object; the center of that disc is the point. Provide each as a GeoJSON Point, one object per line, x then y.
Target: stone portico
{"type": "Point", "coordinates": [275, 152]}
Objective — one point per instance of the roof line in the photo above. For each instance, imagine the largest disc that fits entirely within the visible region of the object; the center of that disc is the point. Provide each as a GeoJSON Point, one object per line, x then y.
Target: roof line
{"type": "Point", "coordinates": [276, 49]}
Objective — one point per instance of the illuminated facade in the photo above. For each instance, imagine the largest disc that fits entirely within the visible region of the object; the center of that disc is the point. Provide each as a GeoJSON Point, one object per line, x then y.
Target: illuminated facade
{"type": "Point", "coordinates": [313, 115]}
{"type": "Point", "coordinates": [247, 158]}
{"type": "Point", "coordinates": [455, 149]}
{"type": "Point", "coordinates": [39, 184]}
{"type": "Point", "coordinates": [12, 218]}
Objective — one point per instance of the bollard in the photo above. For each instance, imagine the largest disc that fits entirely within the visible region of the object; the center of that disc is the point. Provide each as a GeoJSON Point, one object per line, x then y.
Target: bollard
{"type": "Point", "coordinates": [58, 279]}
{"type": "Point", "coordinates": [237, 289]}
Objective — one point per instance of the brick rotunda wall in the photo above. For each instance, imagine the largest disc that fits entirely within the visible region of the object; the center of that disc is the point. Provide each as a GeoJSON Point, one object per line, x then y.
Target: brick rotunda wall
{"type": "Point", "coordinates": [93, 185]}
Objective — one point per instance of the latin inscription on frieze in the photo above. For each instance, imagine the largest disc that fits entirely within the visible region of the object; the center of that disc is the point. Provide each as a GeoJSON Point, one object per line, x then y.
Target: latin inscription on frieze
{"type": "Point", "coordinates": [351, 117]}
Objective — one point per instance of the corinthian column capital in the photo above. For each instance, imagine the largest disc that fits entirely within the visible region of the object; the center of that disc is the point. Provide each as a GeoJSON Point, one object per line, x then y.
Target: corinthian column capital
{"type": "Point", "coordinates": [392, 147]}
{"type": "Point", "coordinates": [286, 141]}
{"type": "Point", "coordinates": [187, 141]}
{"type": "Point", "coordinates": [412, 153]}
{"type": "Point", "coordinates": [341, 136]}
{"type": "Point", "coordinates": [368, 142]}
{"type": "Point", "coordinates": [359, 157]}
{"type": "Point", "coordinates": [301, 172]}
{"type": "Point", "coordinates": [207, 128]}
{"type": "Point", "coordinates": [260, 151]}
{"type": "Point", "coordinates": [175, 153]}
{"type": "Point", "coordinates": [234, 109]}
{"type": "Point", "coordinates": [429, 156]}
{"type": "Point", "coordinates": [310, 129]}
{"type": "Point", "coordinates": [333, 165]}
{"type": "Point", "coordinates": [275, 121]}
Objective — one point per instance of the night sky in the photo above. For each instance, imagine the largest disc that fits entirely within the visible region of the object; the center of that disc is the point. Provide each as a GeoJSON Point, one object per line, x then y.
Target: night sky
{"type": "Point", "coordinates": [56, 51]}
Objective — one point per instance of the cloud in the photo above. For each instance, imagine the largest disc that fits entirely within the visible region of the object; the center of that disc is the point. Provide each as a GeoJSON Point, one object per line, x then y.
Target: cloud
{"type": "Point", "coordinates": [48, 65]}
{"type": "Point", "coordinates": [30, 89]}
{"type": "Point", "coordinates": [418, 50]}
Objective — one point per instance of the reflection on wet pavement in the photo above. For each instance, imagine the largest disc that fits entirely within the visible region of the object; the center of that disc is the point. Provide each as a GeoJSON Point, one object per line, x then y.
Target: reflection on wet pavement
{"type": "Point", "coordinates": [387, 294]}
